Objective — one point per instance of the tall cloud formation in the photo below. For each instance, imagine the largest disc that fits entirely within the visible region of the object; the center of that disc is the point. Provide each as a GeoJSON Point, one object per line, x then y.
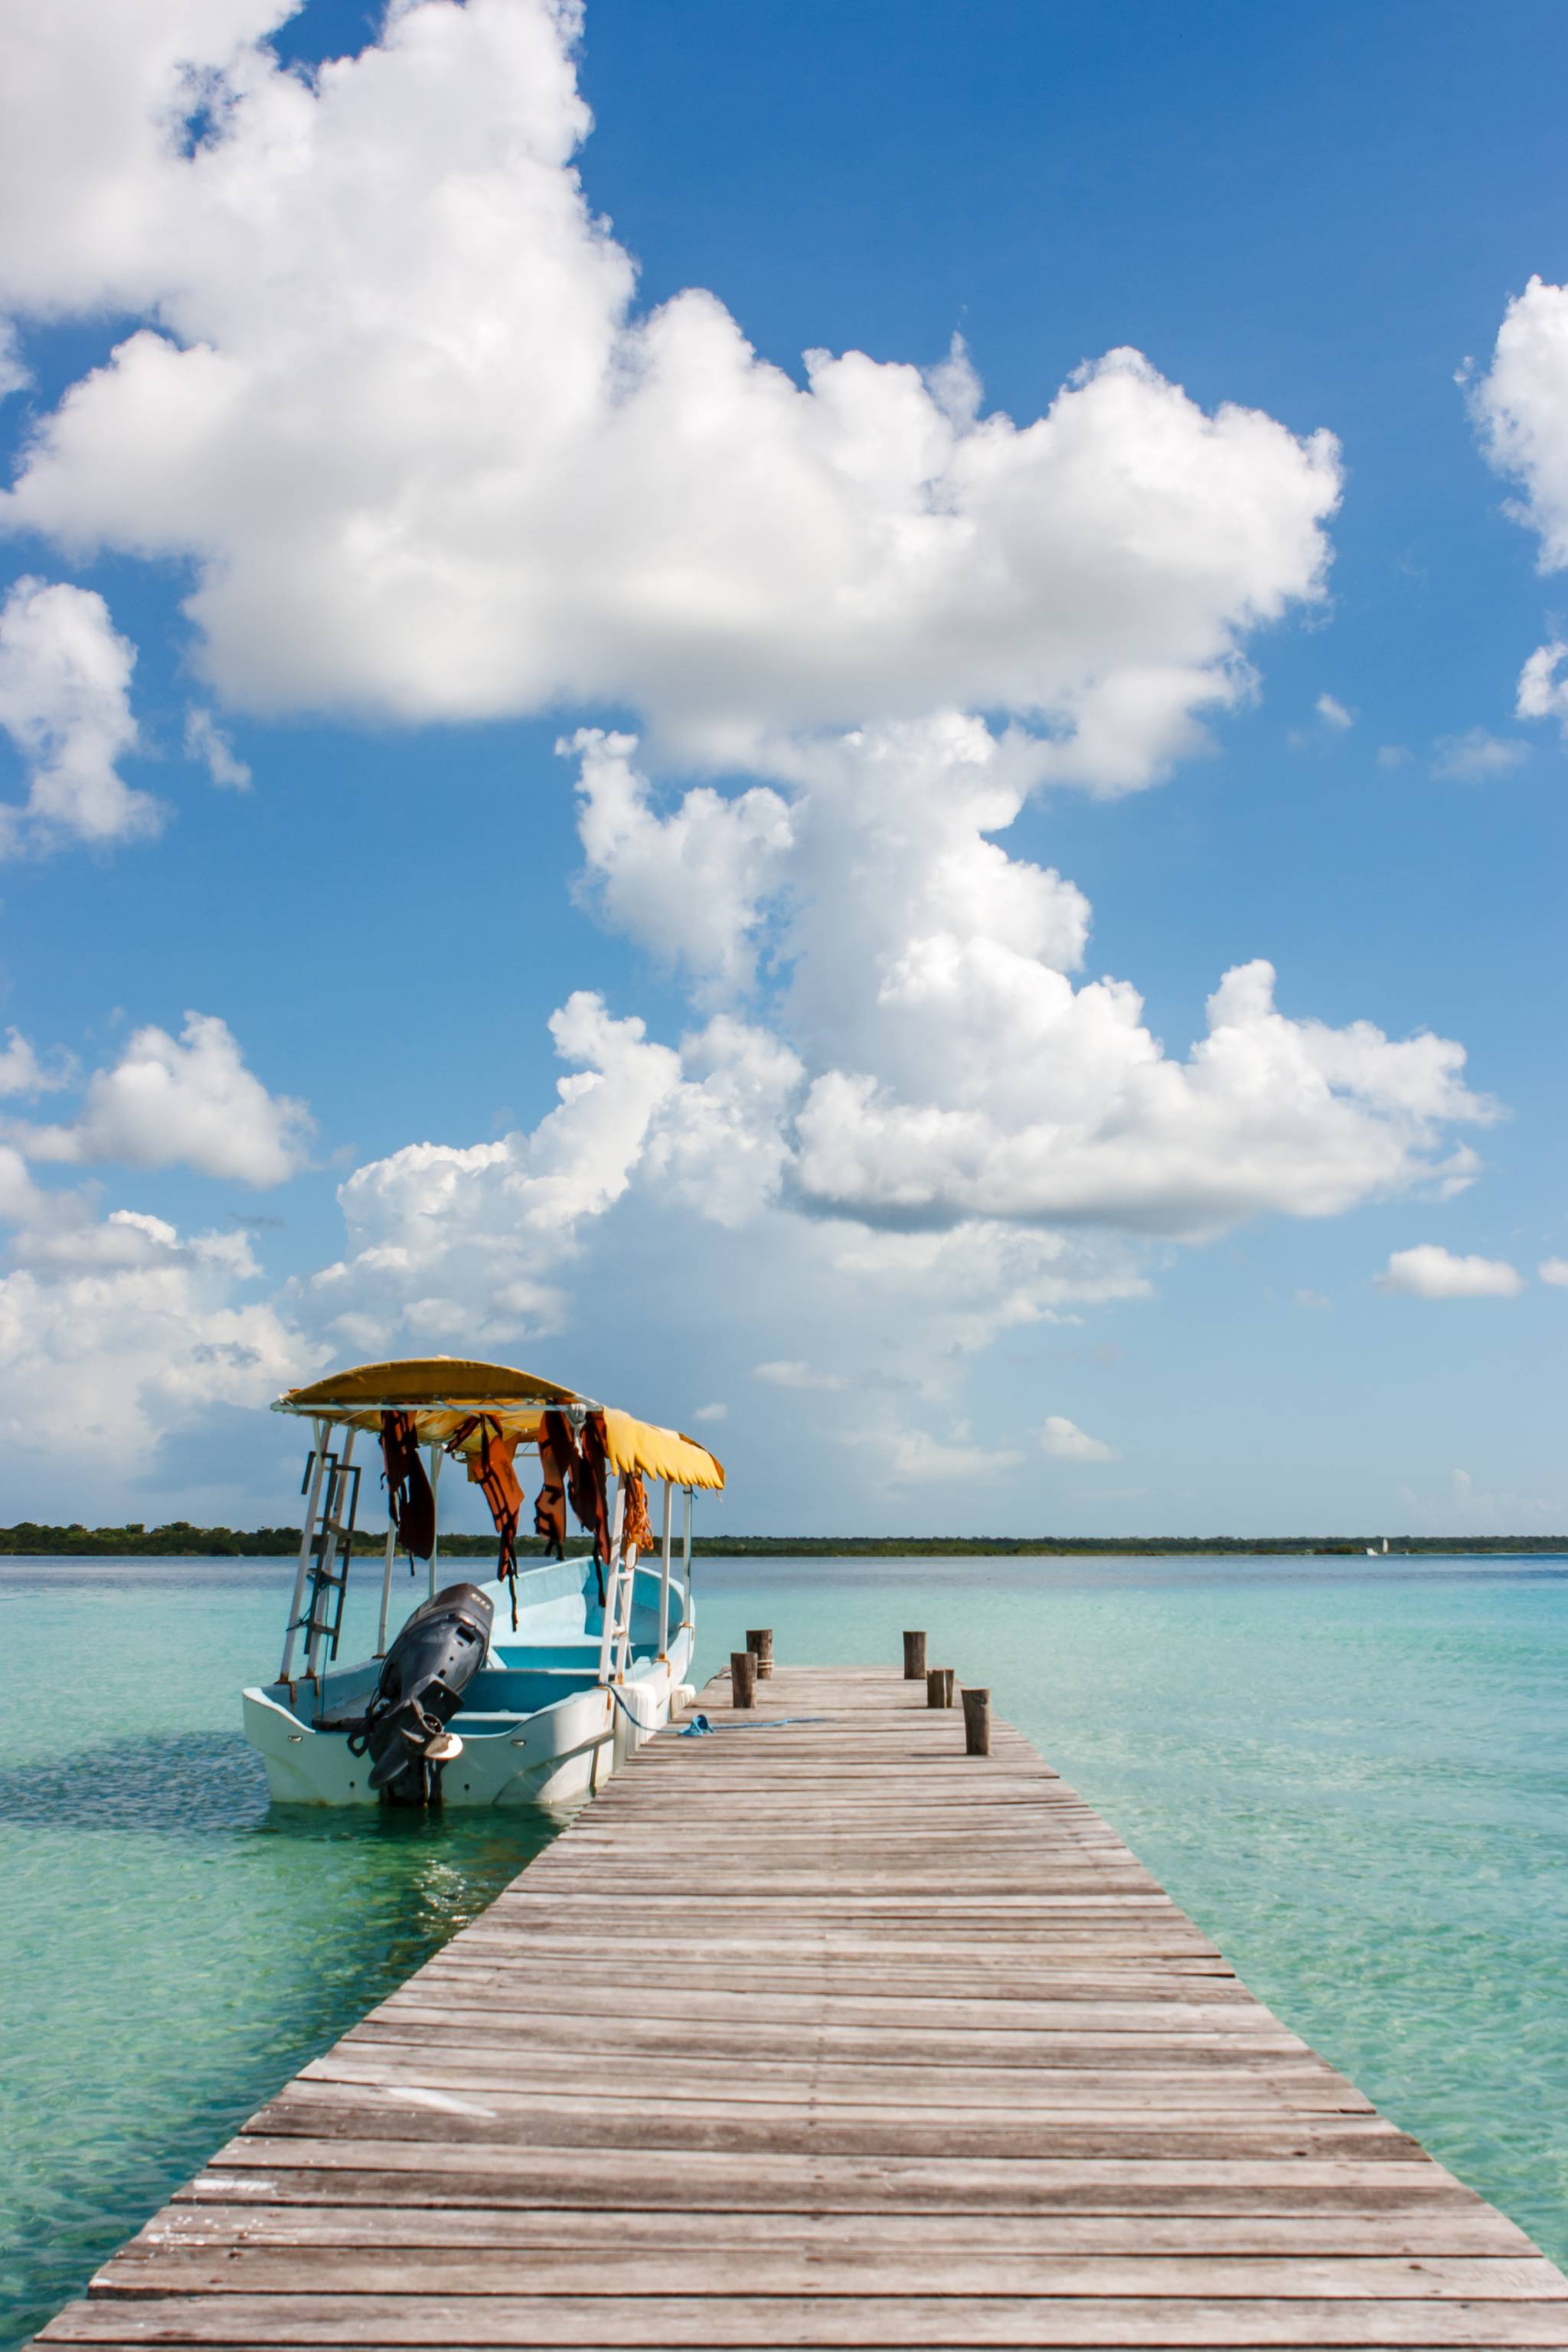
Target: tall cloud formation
{"type": "Point", "coordinates": [946, 1064]}
{"type": "Point", "coordinates": [896, 1085]}
{"type": "Point", "coordinates": [392, 401]}
{"type": "Point", "coordinates": [396, 405]}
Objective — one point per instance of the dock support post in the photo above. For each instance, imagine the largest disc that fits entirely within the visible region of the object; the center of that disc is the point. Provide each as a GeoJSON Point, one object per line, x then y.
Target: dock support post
{"type": "Point", "coordinates": [977, 1723]}
{"type": "Point", "coordinates": [914, 1657]}
{"type": "Point", "coordinates": [742, 1678]}
{"type": "Point", "coordinates": [939, 1685]}
{"type": "Point", "coordinates": [761, 1645]}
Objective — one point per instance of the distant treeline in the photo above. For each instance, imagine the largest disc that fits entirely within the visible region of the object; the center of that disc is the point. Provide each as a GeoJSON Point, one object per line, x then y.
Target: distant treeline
{"type": "Point", "coordinates": [1105, 1546]}
{"type": "Point", "coordinates": [180, 1540]}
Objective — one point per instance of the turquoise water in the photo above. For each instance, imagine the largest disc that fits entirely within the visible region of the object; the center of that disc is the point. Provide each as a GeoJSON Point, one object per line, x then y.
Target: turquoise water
{"type": "Point", "coordinates": [1355, 1777]}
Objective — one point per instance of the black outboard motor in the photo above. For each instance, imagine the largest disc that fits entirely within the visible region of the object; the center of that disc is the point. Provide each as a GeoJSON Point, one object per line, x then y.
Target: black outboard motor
{"type": "Point", "coordinates": [427, 1671]}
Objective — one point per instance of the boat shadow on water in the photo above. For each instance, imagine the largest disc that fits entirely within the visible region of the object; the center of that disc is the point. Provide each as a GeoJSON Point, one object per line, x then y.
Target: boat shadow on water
{"type": "Point", "coordinates": [208, 1785]}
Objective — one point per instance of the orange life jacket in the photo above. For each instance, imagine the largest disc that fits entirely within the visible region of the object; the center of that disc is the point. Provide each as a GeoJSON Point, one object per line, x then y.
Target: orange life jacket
{"type": "Point", "coordinates": [490, 1469]}
{"type": "Point", "coordinates": [635, 1527]}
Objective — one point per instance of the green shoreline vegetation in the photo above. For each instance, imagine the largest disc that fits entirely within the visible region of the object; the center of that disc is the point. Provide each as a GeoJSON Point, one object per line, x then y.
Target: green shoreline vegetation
{"type": "Point", "coordinates": [181, 1540]}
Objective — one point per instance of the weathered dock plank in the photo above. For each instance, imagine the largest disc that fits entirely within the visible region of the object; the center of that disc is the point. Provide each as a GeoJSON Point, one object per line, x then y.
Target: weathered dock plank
{"type": "Point", "coordinates": [826, 2034]}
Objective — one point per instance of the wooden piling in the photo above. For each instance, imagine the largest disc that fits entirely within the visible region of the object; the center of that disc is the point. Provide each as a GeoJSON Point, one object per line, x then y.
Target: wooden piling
{"type": "Point", "coordinates": [914, 1657]}
{"type": "Point", "coordinates": [742, 1678]}
{"type": "Point", "coordinates": [761, 1645]}
{"type": "Point", "coordinates": [939, 1685]}
{"type": "Point", "coordinates": [976, 1722]}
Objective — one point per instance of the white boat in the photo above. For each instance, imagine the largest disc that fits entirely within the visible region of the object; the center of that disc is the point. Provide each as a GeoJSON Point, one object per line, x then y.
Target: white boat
{"type": "Point", "coordinates": [526, 1689]}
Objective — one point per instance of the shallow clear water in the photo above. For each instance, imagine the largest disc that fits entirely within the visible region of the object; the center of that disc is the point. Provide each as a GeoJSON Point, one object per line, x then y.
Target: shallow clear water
{"type": "Point", "coordinates": [1355, 1777]}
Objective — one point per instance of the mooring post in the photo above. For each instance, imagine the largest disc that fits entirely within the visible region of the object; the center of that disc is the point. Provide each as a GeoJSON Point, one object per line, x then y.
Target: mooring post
{"type": "Point", "coordinates": [914, 1656]}
{"type": "Point", "coordinates": [742, 1678]}
{"type": "Point", "coordinates": [939, 1685]}
{"type": "Point", "coordinates": [977, 1723]}
{"type": "Point", "coordinates": [761, 1645]}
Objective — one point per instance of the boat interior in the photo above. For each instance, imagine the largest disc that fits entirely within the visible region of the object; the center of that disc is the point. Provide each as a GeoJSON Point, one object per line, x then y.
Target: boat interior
{"type": "Point", "coordinates": [555, 1653]}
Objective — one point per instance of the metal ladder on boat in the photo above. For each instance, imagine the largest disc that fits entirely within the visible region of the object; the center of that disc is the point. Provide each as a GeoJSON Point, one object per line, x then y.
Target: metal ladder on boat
{"type": "Point", "coordinates": [332, 1549]}
{"type": "Point", "coordinates": [615, 1641]}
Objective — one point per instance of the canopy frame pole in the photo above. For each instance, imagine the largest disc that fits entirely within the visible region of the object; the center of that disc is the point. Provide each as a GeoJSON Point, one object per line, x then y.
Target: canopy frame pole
{"type": "Point", "coordinates": [316, 1469]}
{"type": "Point", "coordinates": [387, 1581]}
{"type": "Point", "coordinates": [686, 1619]}
{"type": "Point", "coordinates": [664, 1577]}
{"type": "Point", "coordinates": [436, 1458]}
{"type": "Point", "coordinates": [613, 1567]}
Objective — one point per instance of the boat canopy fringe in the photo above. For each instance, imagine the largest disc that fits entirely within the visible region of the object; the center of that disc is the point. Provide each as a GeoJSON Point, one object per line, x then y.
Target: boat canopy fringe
{"type": "Point", "coordinates": [439, 1393]}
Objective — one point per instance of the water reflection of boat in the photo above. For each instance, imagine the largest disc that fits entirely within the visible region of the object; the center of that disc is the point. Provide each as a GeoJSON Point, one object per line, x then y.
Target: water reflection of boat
{"type": "Point", "coordinates": [527, 1689]}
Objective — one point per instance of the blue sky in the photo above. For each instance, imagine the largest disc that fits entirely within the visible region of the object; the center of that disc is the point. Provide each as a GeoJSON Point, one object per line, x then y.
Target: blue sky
{"type": "Point", "coordinates": [345, 415]}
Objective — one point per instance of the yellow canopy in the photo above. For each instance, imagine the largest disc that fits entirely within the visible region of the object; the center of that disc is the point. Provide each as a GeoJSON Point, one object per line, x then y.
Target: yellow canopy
{"type": "Point", "coordinates": [416, 1381]}
{"type": "Point", "coordinates": [658, 1453]}
{"type": "Point", "coordinates": [443, 1391]}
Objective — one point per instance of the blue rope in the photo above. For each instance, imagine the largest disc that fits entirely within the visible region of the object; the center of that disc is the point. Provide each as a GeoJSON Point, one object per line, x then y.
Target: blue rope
{"type": "Point", "coordinates": [636, 1720]}
{"type": "Point", "coordinates": [700, 1725]}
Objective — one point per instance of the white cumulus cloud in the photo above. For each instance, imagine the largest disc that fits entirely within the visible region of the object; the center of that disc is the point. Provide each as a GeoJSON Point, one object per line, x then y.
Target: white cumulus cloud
{"type": "Point", "coordinates": [115, 1331]}
{"type": "Point", "coordinates": [1333, 712]}
{"type": "Point", "coordinates": [893, 1455]}
{"type": "Point", "coordinates": [1543, 693]}
{"type": "Point", "coordinates": [1429, 1271]}
{"type": "Point", "coordinates": [927, 1056]}
{"type": "Point", "coordinates": [441, 1235]}
{"type": "Point", "coordinates": [22, 1073]}
{"type": "Point", "coordinates": [689, 886]}
{"type": "Point", "coordinates": [1476, 754]}
{"type": "Point", "coordinates": [394, 401]}
{"type": "Point", "coordinates": [1064, 1442]}
{"type": "Point", "coordinates": [1520, 405]}
{"type": "Point", "coordinates": [65, 701]}
{"type": "Point", "coordinates": [189, 1101]}
{"type": "Point", "coordinates": [206, 741]}
{"type": "Point", "coordinates": [1554, 1270]}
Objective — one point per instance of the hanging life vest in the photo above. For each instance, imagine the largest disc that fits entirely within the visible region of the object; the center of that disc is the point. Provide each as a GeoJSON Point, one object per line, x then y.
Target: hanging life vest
{"type": "Point", "coordinates": [490, 1469]}
{"type": "Point", "coordinates": [408, 1496]}
{"type": "Point", "coordinates": [557, 1448]}
{"type": "Point", "coordinates": [635, 1527]}
{"type": "Point", "coordinates": [587, 1485]}
{"type": "Point", "coordinates": [575, 1470]}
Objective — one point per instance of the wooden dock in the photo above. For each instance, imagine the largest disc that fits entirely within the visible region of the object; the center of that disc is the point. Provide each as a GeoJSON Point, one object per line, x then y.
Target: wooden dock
{"type": "Point", "coordinates": [826, 2034]}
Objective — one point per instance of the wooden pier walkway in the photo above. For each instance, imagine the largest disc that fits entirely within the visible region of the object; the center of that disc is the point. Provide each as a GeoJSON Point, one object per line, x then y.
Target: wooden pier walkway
{"type": "Point", "coordinates": [826, 2035]}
